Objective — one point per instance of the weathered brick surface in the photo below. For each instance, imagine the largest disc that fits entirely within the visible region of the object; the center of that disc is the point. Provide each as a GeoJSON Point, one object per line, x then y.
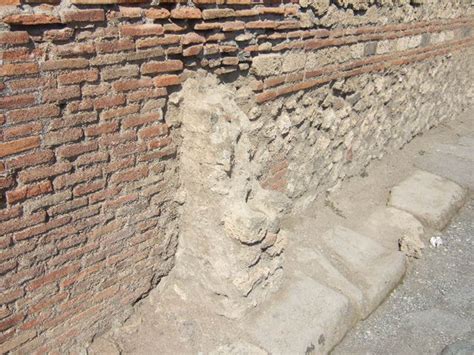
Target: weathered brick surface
{"type": "Point", "coordinates": [83, 138]}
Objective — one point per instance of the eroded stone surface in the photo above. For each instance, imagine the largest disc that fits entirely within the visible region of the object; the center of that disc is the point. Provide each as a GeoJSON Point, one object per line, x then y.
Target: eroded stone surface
{"type": "Point", "coordinates": [430, 198]}
{"type": "Point", "coordinates": [306, 316]}
{"type": "Point", "coordinates": [396, 229]}
{"type": "Point", "coordinates": [374, 269]}
{"type": "Point", "coordinates": [230, 248]}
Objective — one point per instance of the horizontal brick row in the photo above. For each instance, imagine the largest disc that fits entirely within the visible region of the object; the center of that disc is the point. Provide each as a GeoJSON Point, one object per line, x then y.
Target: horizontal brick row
{"type": "Point", "coordinates": [306, 80]}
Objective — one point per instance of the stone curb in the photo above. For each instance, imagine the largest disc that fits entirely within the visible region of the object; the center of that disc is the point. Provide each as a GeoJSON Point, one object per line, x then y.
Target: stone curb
{"type": "Point", "coordinates": [350, 274]}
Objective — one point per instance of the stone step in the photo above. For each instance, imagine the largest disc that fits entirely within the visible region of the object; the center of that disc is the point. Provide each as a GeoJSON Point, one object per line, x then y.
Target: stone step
{"type": "Point", "coordinates": [430, 198]}
{"type": "Point", "coordinates": [304, 317]}
{"type": "Point", "coordinates": [395, 230]}
{"type": "Point", "coordinates": [368, 265]}
{"type": "Point", "coordinates": [329, 286]}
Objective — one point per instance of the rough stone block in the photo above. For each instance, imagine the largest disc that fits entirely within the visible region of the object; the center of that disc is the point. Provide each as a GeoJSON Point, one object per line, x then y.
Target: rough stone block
{"type": "Point", "coordinates": [430, 198]}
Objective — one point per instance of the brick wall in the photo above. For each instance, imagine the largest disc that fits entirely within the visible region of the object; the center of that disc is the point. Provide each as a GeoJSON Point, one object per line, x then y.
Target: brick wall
{"type": "Point", "coordinates": [88, 157]}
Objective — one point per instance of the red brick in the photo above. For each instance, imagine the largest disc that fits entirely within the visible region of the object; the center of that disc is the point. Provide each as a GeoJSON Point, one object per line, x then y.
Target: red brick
{"type": "Point", "coordinates": [132, 84]}
{"type": "Point", "coordinates": [39, 173]}
{"type": "Point", "coordinates": [265, 96]}
{"type": "Point", "coordinates": [33, 113]}
{"type": "Point", "coordinates": [82, 275]}
{"type": "Point", "coordinates": [193, 50]}
{"type": "Point", "coordinates": [208, 26]}
{"type": "Point", "coordinates": [130, 12]}
{"type": "Point", "coordinates": [18, 146]}
{"type": "Point", "coordinates": [88, 188]}
{"type": "Point", "coordinates": [83, 105]}
{"type": "Point", "coordinates": [16, 101]}
{"type": "Point", "coordinates": [162, 154]}
{"type": "Point", "coordinates": [130, 175]}
{"type": "Point", "coordinates": [52, 277]}
{"type": "Point", "coordinates": [141, 120]}
{"type": "Point", "coordinates": [31, 159]}
{"type": "Point", "coordinates": [22, 223]}
{"type": "Point", "coordinates": [61, 94]}
{"type": "Point", "coordinates": [141, 30]}
{"type": "Point", "coordinates": [73, 255]}
{"type": "Point", "coordinates": [247, 12]}
{"type": "Point", "coordinates": [79, 76]}
{"type": "Point", "coordinates": [19, 339]}
{"type": "Point", "coordinates": [217, 37]}
{"type": "Point", "coordinates": [145, 94]}
{"type": "Point", "coordinates": [59, 64]}
{"type": "Point", "coordinates": [153, 131]}
{"type": "Point", "coordinates": [62, 136]}
{"type": "Point", "coordinates": [158, 41]}
{"type": "Point", "coordinates": [92, 158]}
{"type": "Point", "coordinates": [109, 101]}
{"type": "Point", "coordinates": [74, 49]}
{"type": "Point", "coordinates": [25, 192]}
{"type": "Point", "coordinates": [4, 268]}
{"type": "Point", "coordinates": [100, 129]}
{"type": "Point", "coordinates": [92, 15]}
{"type": "Point", "coordinates": [157, 13]}
{"type": "Point", "coordinates": [115, 46]}
{"type": "Point", "coordinates": [10, 322]}
{"type": "Point", "coordinates": [230, 61]}
{"type": "Point", "coordinates": [96, 90]}
{"type": "Point", "coordinates": [162, 67]}
{"type": "Point", "coordinates": [71, 241]}
{"type": "Point", "coordinates": [18, 69]}
{"type": "Point", "coordinates": [31, 19]}
{"type": "Point", "coordinates": [117, 138]}
{"type": "Point", "coordinates": [10, 213]}
{"type": "Point", "coordinates": [233, 26]}
{"type": "Point", "coordinates": [120, 201]}
{"type": "Point", "coordinates": [167, 80]}
{"type": "Point", "coordinates": [127, 149]}
{"type": "Point", "coordinates": [42, 228]}
{"type": "Point", "coordinates": [67, 207]}
{"type": "Point", "coordinates": [185, 12]}
{"type": "Point", "coordinates": [24, 130]}
{"type": "Point", "coordinates": [31, 84]}
{"type": "Point", "coordinates": [261, 25]}
{"type": "Point", "coordinates": [192, 38]}
{"type": "Point", "coordinates": [5, 312]}
{"type": "Point", "coordinates": [228, 49]}
{"type": "Point", "coordinates": [211, 14]}
{"type": "Point", "coordinates": [73, 150]}
{"type": "Point", "coordinates": [210, 49]}
{"type": "Point", "coordinates": [58, 35]}
{"type": "Point", "coordinates": [17, 37]}
{"type": "Point", "coordinates": [22, 54]}
{"type": "Point", "coordinates": [48, 302]}
{"type": "Point", "coordinates": [119, 112]}
{"type": "Point", "coordinates": [6, 182]}
{"type": "Point", "coordinates": [10, 296]}
{"type": "Point", "coordinates": [66, 180]}
{"type": "Point", "coordinates": [102, 195]}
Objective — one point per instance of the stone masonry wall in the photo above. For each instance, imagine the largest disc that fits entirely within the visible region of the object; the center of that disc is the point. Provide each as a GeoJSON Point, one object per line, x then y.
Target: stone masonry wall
{"type": "Point", "coordinates": [92, 129]}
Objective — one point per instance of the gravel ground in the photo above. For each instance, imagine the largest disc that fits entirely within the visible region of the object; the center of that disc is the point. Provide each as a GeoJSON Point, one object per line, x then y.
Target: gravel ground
{"type": "Point", "coordinates": [433, 307]}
